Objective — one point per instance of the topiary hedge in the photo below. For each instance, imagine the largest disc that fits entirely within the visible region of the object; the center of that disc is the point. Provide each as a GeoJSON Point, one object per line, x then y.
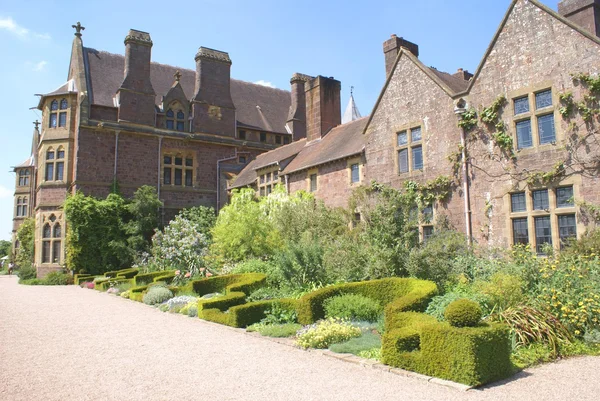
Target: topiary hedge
{"type": "Point", "coordinates": [469, 355]}
{"type": "Point", "coordinates": [246, 283]}
{"type": "Point", "coordinates": [246, 314]}
{"type": "Point", "coordinates": [111, 282]}
{"type": "Point", "coordinates": [395, 294]}
{"type": "Point", "coordinates": [129, 273]}
{"type": "Point", "coordinates": [221, 303]}
{"type": "Point", "coordinates": [147, 278]}
{"type": "Point", "coordinates": [82, 278]}
{"type": "Point", "coordinates": [463, 313]}
{"type": "Point", "coordinates": [114, 274]}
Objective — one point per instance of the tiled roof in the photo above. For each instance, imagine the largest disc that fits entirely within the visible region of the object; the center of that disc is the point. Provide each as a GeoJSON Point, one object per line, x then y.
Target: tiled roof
{"type": "Point", "coordinates": [26, 163]}
{"type": "Point", "coordinates": [342, 141]}
{"type": "Point", "coordinates": [106, 75]}
{"type": "Point", "coordinates": [248, 174]}
{"type": "Point", "coordinates": [456, 84]}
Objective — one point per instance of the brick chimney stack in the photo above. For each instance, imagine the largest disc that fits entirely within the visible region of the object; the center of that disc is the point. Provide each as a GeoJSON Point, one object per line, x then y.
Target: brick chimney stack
{"type": "Point", "coordinates": [323, 108]}
{"type": "Point", "coordinates": [213, 111]}
{"type": "Point", "coordinates": [297, 115]}
{"type": "Point", "coordinates": [136, 94]}
{"type": "Point", "coordinates": [463, 74]}
{"type": "Point", "coordinates": [391, 48]}
{"type": "Point", "coordinates": [585, 13]}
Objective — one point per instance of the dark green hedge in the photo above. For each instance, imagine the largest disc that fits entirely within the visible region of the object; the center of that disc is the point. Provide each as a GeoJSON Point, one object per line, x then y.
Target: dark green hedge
{"type": "Point", "coordinates": [115, 273]}
{"type": "Point", "coordinates": [82, 278]}
{"type": "Point", "coordinates": [165, 277]}
{"type": "Point", "coordinates": [147, 278]}
{"type": "Point", "coordinates": [469, 355]}
{"type": "Point", "coordinates": [396, 294]}
{"type": "Point", "coordinates": [221, 303]}
{"type": "Point", "coordinates": [131, 273]}
{"type": "Point", "coordinates": [106, 284]}
{"type": "Point", "coordinates": [246, 314]}
{"type": "Point", "coordinates": [246, 283]}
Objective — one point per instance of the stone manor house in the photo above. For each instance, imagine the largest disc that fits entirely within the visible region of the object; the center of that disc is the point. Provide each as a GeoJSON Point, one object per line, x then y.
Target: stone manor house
{"type": "Point", "coordinates": [519, 169]}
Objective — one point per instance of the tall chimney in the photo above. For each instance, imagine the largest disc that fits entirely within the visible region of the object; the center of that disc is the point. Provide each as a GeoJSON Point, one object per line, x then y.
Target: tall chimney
{"type": "Point", "coordinates": [297, 116]}
{"type": "Point", "coordinates": [391, 48]}
{"type": "Point", "coordinates": [213, 110]}
{"type": "Point", "coordinates": [585, 13]}
{"type": "Point", "coordinates": [323, 108]}
{"type": "Point", "coordinates": [136, 94]}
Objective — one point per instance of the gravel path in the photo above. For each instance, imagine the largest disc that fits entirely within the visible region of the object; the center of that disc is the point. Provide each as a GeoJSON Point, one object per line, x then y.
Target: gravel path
{"type": "Point", "coordinates": [68, 343]}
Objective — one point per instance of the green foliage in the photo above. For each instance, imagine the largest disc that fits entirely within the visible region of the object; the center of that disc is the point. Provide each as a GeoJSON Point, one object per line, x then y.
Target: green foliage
{"type": "Point", "coordinates": [26, 238]}
{"type": "Point", "coordinates": [301, 264]}
{"type": "Point", "coordinates": [147, 278]}
{"type": "Point", "coordinates": [326, 332]}
{"type": "Point", "coordinates": [157, 295]}
{"type": "Point", "coordinates": [438, 189]}
{"type": "Point", "coordinates": [352, 307]}
{"type": "Point", "coordinates": [276, 330]}
{"type": "Point", "coordinates": [5, 248]}
{"type": "Point", "coordinates": [433, 260]}
{"type": "Point", "coordinates": [529, 325]}
{"type": "Point", "coordinates": [567, 104]}
{"type": "Point", "coordinates": [592, 83]}
{"type": "Point", "coordinates": [438, 304]}
{"type": "Point", "coordinates": [544, 178]}
{"type": "Point", "coordinates": [463, 313]}
{"type": "Point", "coordinates": [279, 314]}
{"type": "Point", "coordinates": [27, 272]}
{"type": "Point", "coordinates": [356, 346]}
{"type": "Point", "coordinates": [503, 290]}
{"type": "Point", "coordinates": [491, 117]}
{"type": "Point", "coordinates": [394, 294]}
{"type": "Point", "coordinates": [144, 212]}
{"type": "Point", "coordinates": [468, 120]}
{"type": "Point", "coordinates": [58, 278]}
{"type": "Point", "coordinates": [587, 244]}
{"type": "Point", "coordinates": [243, 230]}
{"type": "Point", "coordinates": [245, 314]}
{"type": "Point", "coordinates": [245, 283]}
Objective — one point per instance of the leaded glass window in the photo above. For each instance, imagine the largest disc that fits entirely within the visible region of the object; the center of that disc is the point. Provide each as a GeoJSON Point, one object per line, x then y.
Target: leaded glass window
{"type": "Point", "coordinates": [543, 99]}
{"type": "Point", "coordinates": [522, 105]}
{"type": "Point", "coordinates": [524, 139]}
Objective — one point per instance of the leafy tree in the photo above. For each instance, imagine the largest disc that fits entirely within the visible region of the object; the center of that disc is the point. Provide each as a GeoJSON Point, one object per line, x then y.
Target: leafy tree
{"type": "Point", "coordinates": [26, 238]}
{"type": "Point", "coordinates": [144, 211]}
{"type": "Point", "coordinates": [5, 248]}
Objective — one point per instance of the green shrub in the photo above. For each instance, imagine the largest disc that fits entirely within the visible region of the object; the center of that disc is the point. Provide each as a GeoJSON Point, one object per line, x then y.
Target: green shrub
{"type": "Point", "coordinates": [27, 272]}
{"type": "Point", "coordinates": [301, 264]}
{"type": "Point", "coordinates": [32, 281]}
{"type": "Point", "coordinates": [326, 332]}
{"type": "Point", "coordinates": [147, 278]}
{"type": "Point", "coordinates": [463, 313]}
{"type": "Point", "coordinates": [503, 290]}
{"type": "Point", "coordinates": [439, 303]}
{"type": "Point", "coordinates": [280, 313]}
{"type": "Point", "coordinates": [125, 294]}
{"type": "Point", "coordinates": [246, 283]}
{"type": "Point", "coordinates": [163, 307]}
{"type": "Point", "coordinates": [592, 337]}
{"type": "Point", "coordinates": [268, 268]}
{"type": "Point", "coordinates": [246, 314]}
{"type": "Point", "coordinates": [366, 342]}
{"type": "Point", "coordinates": [281, 330]}
{"type": "Point", "coordinates": [352, 307]}
{"type": "Point", "coordinates": [58, 278]}
{"type": "Point", "coordinates": [157, 295]}
{"type": "Point", "coordinates": [82, 278]}
{"type": "Point", "coordinates": [529, 325]}
{"type": "Point", "coordinates": [221, 303]}
{"type": "Point", "coordinates": [394, 294]}
{"type": "Point", "coordinates": [128, 273]}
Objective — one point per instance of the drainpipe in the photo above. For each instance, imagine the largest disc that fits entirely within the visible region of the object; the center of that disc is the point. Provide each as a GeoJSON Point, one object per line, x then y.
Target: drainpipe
{"type": "Point", "coordinates": [234, 157]}
{"type": "Point", "coordinates": [287, 184]}
{"type": "Point", "coordinates": [116, 155]}
{"type": "Point", "coordinates": [158, 167]}
{"type": "Point", "coordinates": [460, 109]}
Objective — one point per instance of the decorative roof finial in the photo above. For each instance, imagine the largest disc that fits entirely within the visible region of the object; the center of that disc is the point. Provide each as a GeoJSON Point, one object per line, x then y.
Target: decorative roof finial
{"type": "Point", "coordinates": [351, 90]}
{"type": "Point", "coordinates": [37, 124]}
{"type": "Point", "coordinates": [78, 29]}
{"type": "Point", "coordinates": [177, 76]}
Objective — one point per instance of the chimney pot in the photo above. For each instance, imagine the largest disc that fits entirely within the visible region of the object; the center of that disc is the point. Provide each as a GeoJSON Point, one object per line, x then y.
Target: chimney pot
{"type": "Point", "coordinates": [585, 13]}
{"type": "Point", "coordinates": [391, 48]}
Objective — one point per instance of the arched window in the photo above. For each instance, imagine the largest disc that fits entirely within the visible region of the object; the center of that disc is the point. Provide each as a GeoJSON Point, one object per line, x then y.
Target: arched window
{"type": "Point", "coordinates": [51, 241]}
{"type": "Point", "coordinates": [55, 164]}
{"type": "Point", "coordinates": [24, 178]}
{"type": "Point", "coordinates": [58, 118]}
{"type": "Point", "coordinates": [175, 120]}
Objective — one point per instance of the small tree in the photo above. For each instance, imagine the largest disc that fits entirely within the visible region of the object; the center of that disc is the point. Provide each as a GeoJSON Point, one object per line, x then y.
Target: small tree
{"type": "Point", "coordinates": [144, 211]}
{"type": "Point", "coordinates": [5, 247]}
{"type": "Point", "coordinates": [26, 238]}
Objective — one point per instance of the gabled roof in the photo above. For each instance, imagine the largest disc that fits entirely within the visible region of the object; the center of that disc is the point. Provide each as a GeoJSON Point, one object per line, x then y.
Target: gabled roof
{"type": "Point", "coordinates": [257, 106]}
{"type": "Point", "coordinates": [26, 163]}
{"type": "Point", "coordinates": [248, 175]}
{"type": "Point", "coordinates": [541, 6]}
{"type": "Point", "coordinates": [342, 141]}
{"type": "Point", "coordinates": [456, 84]}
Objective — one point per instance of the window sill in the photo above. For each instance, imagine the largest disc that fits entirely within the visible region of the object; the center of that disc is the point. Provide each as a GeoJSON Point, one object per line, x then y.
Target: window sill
{"type": "Point", "coordinates": [50, 184]}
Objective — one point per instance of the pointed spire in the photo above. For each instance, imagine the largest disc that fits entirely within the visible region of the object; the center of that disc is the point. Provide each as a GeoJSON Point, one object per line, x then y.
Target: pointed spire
{"type": "Point", "coordinates": [351, 112]}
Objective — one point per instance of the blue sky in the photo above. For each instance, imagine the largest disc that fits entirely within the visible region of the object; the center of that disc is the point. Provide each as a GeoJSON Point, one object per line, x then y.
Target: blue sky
{"type": "Point", "coordinates": [267, 40]}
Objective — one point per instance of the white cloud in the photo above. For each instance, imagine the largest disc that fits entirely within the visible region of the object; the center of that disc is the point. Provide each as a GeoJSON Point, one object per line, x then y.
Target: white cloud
{"type": "Point", "coordinates": [40, 66]}
{"type": "Point", "coordinates": [5, 192]}
{"type": "Point", "coordinates": [8, 24]}
{"type": "Point", "coordinates": [265, 83]}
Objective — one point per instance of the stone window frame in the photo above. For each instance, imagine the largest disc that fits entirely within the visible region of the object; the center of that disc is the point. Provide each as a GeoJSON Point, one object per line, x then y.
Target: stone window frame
{"type": "Point", "coordinates": [309, 174]}
{"type": "Point", "coordinates": [267, 179]}
{"type": "Point", "coordinates": [409, 146]}
{"type": "Point", "coordinates": [185, 155]}
{"type": "Point", "coordinates": [57, 116]}
{"type": "Point", "coordinates": [177, 119]}
{"type": "Point", "coordinates": [56, 163]}
{"type": "Point", "coordinates": [22, 204]}
{"type": "Point", "coordinates": [24, 177]}
{"type": "Point", "coordinates": [242, 135]}
{"type": "Point", "coordinates": [533, 116]}
{"type": "Point", "coordinates": [351, 162]}
{"type": "Point", "coordinates": [553, 212]}
{"type": "Point", "coordinates": [51, 236]}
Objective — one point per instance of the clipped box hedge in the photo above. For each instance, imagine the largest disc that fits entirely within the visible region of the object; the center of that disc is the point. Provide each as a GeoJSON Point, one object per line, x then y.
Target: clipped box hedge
{"type": "Point", "coordinates": [114, 274]}
{"type": "Point", "coordinates": [396, 294]}
{"type": "Point", "coordinates": [246, 283]}
{"type": "Point", "coordinates": [131, 273]}
{"type": "Point", "coordinates": [166, 277]}
{"type": "Point", "coordinates": [82, 278]}
{"type": "Point", "coordinates": [469, 355]}
{"type": "Point", "coordinates": [106, 284]}
{"type": "Point", "coordinates": [147, 278]}
{"type": "Point", "coordinates": [221, 303]}
{"type": "Point", "coordinates": [246, 314]}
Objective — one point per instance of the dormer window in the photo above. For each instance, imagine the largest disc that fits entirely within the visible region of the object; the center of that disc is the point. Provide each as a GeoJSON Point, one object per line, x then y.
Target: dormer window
{"type": "Point", "coordinates": [175, 120]}
{"type": "Point", "coordinates": [58, 118]}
